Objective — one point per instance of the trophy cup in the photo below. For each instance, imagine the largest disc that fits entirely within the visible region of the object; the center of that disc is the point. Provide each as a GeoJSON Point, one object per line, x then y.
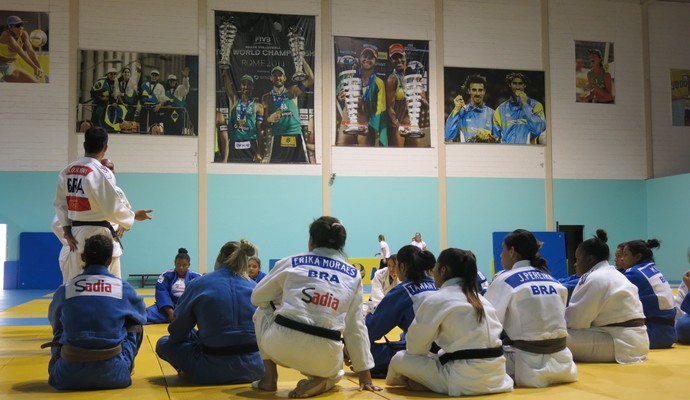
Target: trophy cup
{"type": "Point", "coordinates": [296, 42]}
{"type": "Point", "coordinates": [226, 36]}
{"type": "Point", "coordinates": [413, 86]}
{"type": "Point", "coordinates": [351, 86]}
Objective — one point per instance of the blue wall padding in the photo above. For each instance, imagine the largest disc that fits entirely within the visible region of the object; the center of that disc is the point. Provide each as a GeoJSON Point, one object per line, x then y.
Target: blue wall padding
{"type": "Point", "coordinates": [38, 261]}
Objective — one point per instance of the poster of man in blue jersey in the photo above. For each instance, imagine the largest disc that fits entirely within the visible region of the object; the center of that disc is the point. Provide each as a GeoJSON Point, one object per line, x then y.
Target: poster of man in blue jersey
{"type": "Point", "coordinates": [264, 88]}
{"type": "Point", "coordinates": [24, 47]}
{"type": "Point", "coordinates": [131, 92]}
{"type": "Point", "coordinates": [382, 92]}
{"type": "Point", "coordinates": [494, 106]}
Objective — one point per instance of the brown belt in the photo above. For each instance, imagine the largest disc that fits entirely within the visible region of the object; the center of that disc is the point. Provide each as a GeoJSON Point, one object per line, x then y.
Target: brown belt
{"type": "Point", "coordinates": [79, 354]}
{"type": "Point", "coordinates": [546, 346]}
{"type": "Point", "coordinates": [631, 323]}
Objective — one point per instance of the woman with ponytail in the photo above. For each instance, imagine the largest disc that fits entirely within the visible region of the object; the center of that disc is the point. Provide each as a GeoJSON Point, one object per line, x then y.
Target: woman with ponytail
{"type": "Point", "coordinates": [397, 308]}
{"type": "Point", "coordinates": [654, 291]}
{"type": "Point", "coordinates": [223, 350]}
{"type": "Point", "coordinates": [530, 304]}
{"type": "Point", "coordinates": [605, 318]}
{"type": "Point", "coordinates": [464, 325]}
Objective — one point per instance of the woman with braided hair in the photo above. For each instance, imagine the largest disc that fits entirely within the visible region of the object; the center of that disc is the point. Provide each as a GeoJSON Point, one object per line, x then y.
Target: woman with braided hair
{"type": "Point", "coordinates": [223, 349]}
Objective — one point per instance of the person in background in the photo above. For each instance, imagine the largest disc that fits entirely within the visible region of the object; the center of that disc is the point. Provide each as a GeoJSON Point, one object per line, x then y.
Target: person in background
{"type": "Point", "coordinates": [385, 252]}
{"type": "Point", "coordinates": [96, 320]}
{"type": "Point", "coordinates": [169, 288]}
{"type": "Point", "coordinates": [383, 281]}
{"type": "Point", "coordinates": [398, 307]}
{"type": "Point", "coordinates": [530, 304]}
{"type": "Point", "coordinates": [683, 305]}
{"type": "Point", "coordinates": [599, 80]}
{"type": "Point", "coordinates": [255, 272]}
{"type": "Point", "coordinates": [212, 339]}
{"type": "Point", "coordinates": [464, 325]}
{"type": "Point", "coordinates": [654, 291]}
{"type": "Point", "coordinates": [418, 242]}
{"type": "Point", "coordinates": [520, 119]}
{"type": "Point", "coordinates": [473, 121]}
{"type": "Point", "coordinates": [312, 302]}
{"type": "Point", "coordinates": [605, 317]}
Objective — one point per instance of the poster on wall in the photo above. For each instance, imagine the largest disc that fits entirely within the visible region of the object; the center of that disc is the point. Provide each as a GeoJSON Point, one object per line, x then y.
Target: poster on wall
{"type": "Point", "coordinates": [382, 92]}
{"type": "Point", "coordinates": [138, 93]}
{"type": "Point", "coordinates": [594, 72]}
{"type": "Point", "coordinates": [24, 47]}
{"type": "Point", "coordinates": [680, 97]}
{"type": "Point", "coordinates": [494, 106]}
{"type": "Point", "coordinates": [264, 88]}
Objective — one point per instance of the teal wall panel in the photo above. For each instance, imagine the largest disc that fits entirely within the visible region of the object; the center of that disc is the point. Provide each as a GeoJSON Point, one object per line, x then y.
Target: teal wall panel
{"type": "Point", "coordinates": [477, 207]}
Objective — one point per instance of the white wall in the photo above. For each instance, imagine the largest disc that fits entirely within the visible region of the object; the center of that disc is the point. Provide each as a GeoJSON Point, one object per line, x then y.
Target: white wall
{"type": "Point", "coordinates": [669, 27]}
{"type": "Point", "coordinates": [588, 140]}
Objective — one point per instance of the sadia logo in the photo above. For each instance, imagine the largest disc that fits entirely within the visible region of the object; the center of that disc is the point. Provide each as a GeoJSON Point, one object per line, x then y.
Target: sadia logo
{"type": "Point", "coordinates": [320, 299]}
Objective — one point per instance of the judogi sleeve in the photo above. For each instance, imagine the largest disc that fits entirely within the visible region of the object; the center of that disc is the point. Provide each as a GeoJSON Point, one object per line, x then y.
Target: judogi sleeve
{"type": "Point", "coordinates": [163, 298]}
{"type": "Point", "coordinates": [270, 288]}
{"type": "Point", "coordinates": [355, 334]}
{"type": "Point", "coordinates": [497, 296]}
{"type": "Point", "coordinates": [585, 304]}
{"type": "Point", "coordinates": [425, 327]}
{"type": "Point", "coordinates": [185, 317]}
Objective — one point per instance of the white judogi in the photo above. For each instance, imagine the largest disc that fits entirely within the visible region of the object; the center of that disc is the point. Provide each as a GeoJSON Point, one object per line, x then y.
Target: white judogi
{"type": "Point", "coordinates": [531, 306]}
{"type": "Point", "coordinates": [447, 318]}
{"type": "Point", "coordinates": [678, 299]}
{"type": "Point", "coordinates": [604, 296]}
{"type": "Point", "coordinates": [64, 251]}
{"type": "Point", "coordinates": [86, 191]}
{"type": "Point", "coordinates": [380, 285]}
{"type": "Point", "coordinates": [318, 289]}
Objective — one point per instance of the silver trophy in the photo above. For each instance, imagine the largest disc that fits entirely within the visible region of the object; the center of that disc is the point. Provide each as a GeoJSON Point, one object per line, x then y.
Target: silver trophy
{"type": "Point", "coordinates": [296, 42]}
{"type": "Point", "coordinates": [351, 85]}
{"type": "Point", "coordinates": [413, 86]}
{"type": "Point", "coordinates": [226, 37]}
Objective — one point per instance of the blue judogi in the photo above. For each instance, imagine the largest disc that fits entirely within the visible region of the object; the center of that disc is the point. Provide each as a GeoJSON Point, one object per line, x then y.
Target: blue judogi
{"type": "Point", "coordinates": [219, 352]}
{"type": "Point", "coordinates": [165, 296]}
{"type": "Point", "coordinates": [95, 311]}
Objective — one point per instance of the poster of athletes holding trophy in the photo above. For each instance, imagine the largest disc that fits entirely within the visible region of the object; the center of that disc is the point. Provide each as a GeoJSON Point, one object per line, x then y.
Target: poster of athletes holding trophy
{"type": "Point", "coordinates": [264, 88]}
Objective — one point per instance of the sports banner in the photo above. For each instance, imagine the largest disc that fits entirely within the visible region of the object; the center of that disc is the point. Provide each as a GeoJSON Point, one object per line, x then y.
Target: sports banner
{"type": "Point", "coordinates": [264, 88]}
{"type": "Point", "coordinates": [382, 92]}
{"type": "Point", "coordinates": [28, 31]}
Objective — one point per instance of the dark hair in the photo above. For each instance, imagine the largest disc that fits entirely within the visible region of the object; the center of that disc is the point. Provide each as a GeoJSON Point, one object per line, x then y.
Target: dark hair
{"type": "Point", "coordinates": [643, 248]}
{"type": "Point", "coordinates": [463, 264]}
{"type": "Point", "coordinates": [393, 257]}
{"type": "Point", "coordinates": [95, 139]}
{"type": "Point", "coordinates": [182, 254]}
{"type": "Point", "coordinates": [527, 247]}
{"type": "Point", "coordinates": [513, 75]}
{"type": "Point", "coordinates": [98, 249]}
{"type": "Point", "coordinates": [474, 78]}
{"type": "Point", "coordinates": [417, 262]}
{"type": "Point", "coordinates": [236, 256]}
{"type": "Point", "coordinates": [327, 232]}
{"type": "Point", "coordinates": [596, 246]}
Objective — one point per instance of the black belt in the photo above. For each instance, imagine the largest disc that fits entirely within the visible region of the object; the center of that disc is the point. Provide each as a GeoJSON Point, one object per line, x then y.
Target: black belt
{"type": "Point", "coordinates": [545, 346]}
{"type": "Point", "coordinates": [230, 350]}
{"type": "Point", "coordinates": [491, 352]}
{"type": "Point", "coordinates": [631, 323]}
{"type": "Point", "coordinates": [662, 321]}
{"type": "Point", "coordinates": [308, 329]}
{"type": "Point", "coordinates": [104, 224]}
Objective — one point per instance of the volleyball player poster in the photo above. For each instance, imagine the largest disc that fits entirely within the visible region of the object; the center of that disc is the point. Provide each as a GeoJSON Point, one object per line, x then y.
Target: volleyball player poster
{"type": "Point", "coordinates": [680, 97]}
{"type": "Point", "coordinates": [498, 106]}
{"type": "Point", "coordinates": [594, 72]}
{"type": "Point", "coordinates": [382, 92]}
{"type": "Point", "coordinates": [264, 88]}
{"type": "Point", "coordinates": [130, 92]}
{"type": "Point", "coordinates": [29, 31]}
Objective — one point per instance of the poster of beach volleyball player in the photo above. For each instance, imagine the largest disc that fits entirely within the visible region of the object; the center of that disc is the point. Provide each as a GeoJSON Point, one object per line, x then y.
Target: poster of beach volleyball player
{"type": "Point", "coordinates": [264, 88]}
{"type": "Point", "coordinates": [594, 72]}
{"type": "Point", "coordinates": [485, 105]}
{"type": "Point", "coordinates": [382, 92]}
{"type": "Point", "coordinates": [24, 47]}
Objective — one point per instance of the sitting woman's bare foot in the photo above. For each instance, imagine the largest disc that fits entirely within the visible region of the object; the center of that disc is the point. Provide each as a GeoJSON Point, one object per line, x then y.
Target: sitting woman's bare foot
{"type": "Point", "coordinates": [415, 386]}
{"type": "Point", "coordinates": [265, 384]}
{"type": "Point", "coordinates": [312, 387]}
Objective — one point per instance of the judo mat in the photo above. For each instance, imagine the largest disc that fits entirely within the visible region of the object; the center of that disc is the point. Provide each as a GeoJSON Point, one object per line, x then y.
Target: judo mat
{"type": "Point", "coordinates": [23, 369]}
